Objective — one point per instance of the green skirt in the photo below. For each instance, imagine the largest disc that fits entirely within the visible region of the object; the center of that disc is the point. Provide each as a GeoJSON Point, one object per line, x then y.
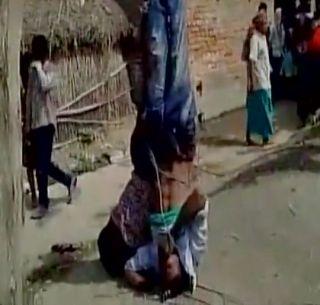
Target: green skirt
{"type": "Point", "coordinates": [260, 114]}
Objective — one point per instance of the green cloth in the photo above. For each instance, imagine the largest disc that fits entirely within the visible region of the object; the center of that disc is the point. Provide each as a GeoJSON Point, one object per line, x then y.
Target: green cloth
{"type": "Point", "coordinates": [162, 221]}
{"type": "Point", "coordinates": [260, 113]}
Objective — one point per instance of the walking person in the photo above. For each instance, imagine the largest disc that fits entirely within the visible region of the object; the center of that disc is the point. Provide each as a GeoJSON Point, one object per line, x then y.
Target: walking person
{"type": "Point", "coordinates": [259, 104]}
{"type": "Point", "coordinates": [41, 121]}
{"type": "Point", "coordinates": [277, 44]}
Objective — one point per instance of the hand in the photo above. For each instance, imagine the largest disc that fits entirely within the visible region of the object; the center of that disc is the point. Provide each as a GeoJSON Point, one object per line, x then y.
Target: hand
{"type": "Point", "coordinates": [48, 67]}
{"type": "Point", "coordinates": [36, 64]}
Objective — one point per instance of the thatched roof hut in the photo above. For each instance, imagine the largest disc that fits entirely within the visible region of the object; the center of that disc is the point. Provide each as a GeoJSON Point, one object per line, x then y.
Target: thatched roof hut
{"type": "Point", "coordinates": [94, 89]}
{"type": "Point", "coordinates": [75, 23]}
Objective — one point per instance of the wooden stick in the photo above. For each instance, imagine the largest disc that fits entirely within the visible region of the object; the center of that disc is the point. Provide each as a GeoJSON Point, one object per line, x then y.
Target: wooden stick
{"type": "Point", "coordinates": [80, 121]}
{"type": "Point", "coordinates": [90, 107]}
{"type": "Point", "coordinates": [118, 70]}
{"type": "Point", "coordinates": [55, 23]}
{"type": "Point", "coordinates": [66, 143]}
{"type": "Point", "coordinates": [94, 88]}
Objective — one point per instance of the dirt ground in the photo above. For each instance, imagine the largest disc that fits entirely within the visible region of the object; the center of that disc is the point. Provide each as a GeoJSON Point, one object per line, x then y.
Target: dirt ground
{"type": "Point", "coordinates": [263, 225]}
{"type": "Point", "coordinates": [264, 230]}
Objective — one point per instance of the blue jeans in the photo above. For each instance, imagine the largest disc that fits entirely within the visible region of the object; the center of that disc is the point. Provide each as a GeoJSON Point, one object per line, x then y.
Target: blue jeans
{"type": "Point", "coordinates": [169, 102]}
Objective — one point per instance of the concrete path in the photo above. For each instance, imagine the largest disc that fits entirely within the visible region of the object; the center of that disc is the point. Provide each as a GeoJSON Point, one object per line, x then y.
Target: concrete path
{"type": "Point", "coordinates": [264, 225]}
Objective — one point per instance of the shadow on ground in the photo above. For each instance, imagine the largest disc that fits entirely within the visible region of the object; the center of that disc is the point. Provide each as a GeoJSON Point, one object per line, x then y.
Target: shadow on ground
{"type": "Point", "coordinates": [301, 158]}
{"type": "Point", "coordinates": [229, 129]}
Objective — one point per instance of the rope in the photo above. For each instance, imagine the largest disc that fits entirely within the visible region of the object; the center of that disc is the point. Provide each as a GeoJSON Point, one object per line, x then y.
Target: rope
{"type": "Point", "coordinates": [158, 171]}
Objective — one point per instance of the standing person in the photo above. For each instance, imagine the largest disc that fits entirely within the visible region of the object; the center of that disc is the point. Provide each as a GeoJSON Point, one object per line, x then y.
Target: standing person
{"type": "Point", "coordinates": [289, 70]}
{"type": "Point", "coordinates": [277, 43]}
{"type": "Point", "coordinates": [301, 35]}
{"type": "Point", "coordinates": [306, 4]}
{"type": "Point", "coordinates": [41, 121]}
{"type": "Point", "coordinates": [263, 9]}
{"type": "Point", "coordinates": [259, 103]}
{"type": "Point", "coordinates": [317, 9]}
{"type": "Point", "coordinates": [27, 148]}
{"type": "Point", "coordinates": [314, 59]}
{"type": "Point", "coordinates": [289, 9]}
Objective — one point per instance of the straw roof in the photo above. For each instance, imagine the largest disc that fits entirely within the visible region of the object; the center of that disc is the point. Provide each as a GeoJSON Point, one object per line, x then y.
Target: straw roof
{"type": "Point", "coordinates": [74, 22]}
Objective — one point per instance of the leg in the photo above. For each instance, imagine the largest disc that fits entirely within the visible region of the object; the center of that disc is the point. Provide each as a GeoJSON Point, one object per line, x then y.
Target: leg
{"type": "Point", "coordinates": [275, 77]}
{"type": "Point", "coordinates": [180, 99]}
{"type": "Point", "coordinates": [57, 174]}
{"type": "Point", "coordinates": [43, 139]}
{"type": "Point", "coordinates": [65, 179]}
{"type": "Point", "coordinates": [248, 138]}
{"type": "Point", "coordinates": [31, 181]}
{"type": "Point", "coordinates": [113, 251]}
{"type": "Point", "coordinates": [248, 133]}
{"type": "Point", "coordinates": [42, 181]}
{"type": "Point", "coordinates": [156, 62]}
{"type": "Point", "coordinates": [265, 140]}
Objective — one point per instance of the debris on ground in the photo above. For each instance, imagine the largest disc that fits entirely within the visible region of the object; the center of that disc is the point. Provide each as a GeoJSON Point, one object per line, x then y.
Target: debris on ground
{"type": "Point", "coordinates": [292, 210]}
{"type": "Point", "coordinates": [235, 237]}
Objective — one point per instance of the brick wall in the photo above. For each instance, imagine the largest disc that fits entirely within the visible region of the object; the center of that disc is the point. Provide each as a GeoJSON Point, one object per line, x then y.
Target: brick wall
{"type": "Point", "coordinates": [216, 31]}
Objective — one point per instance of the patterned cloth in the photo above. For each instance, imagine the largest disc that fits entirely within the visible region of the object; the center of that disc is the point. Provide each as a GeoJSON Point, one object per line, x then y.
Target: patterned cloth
{"type": "Point", "coordinates": [131, 215]}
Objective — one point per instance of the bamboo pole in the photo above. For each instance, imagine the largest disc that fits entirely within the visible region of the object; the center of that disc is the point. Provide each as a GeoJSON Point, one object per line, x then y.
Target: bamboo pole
{"type": "Point", "coordinates": [91, 107]}
{"type": "Point", "coordinates": [94, 88]}
{"type": "Point", "coordinates": [90, 122]}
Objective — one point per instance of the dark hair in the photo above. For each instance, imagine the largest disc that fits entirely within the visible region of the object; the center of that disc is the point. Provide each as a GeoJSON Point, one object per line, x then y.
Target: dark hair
{"type": "Point", "coordinates": [40, 48]}
{"type": "Point", "coordinates": [305, 5]}
{"type": "Point", "coordinates": [263, 6]}
{"type": "Point", "coordinates": [259, 20]}
{"type": "Point", "coordinates": [25, 61]}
